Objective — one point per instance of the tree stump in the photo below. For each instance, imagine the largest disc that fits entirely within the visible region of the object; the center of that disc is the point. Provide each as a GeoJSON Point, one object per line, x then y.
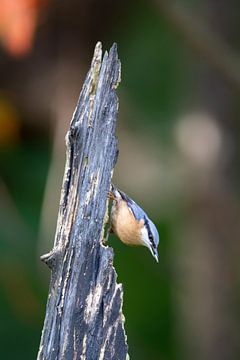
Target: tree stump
{"type": "Point", "coordinates": [84, 317]}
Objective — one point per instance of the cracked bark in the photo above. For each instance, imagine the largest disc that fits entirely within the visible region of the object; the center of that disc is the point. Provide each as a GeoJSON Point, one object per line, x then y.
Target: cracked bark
{"type": "Point", "coordinates": [84, 317]}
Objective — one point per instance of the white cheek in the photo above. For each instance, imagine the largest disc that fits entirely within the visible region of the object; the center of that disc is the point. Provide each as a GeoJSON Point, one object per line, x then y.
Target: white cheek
{"type": "Point", "coordinates": [144, 237]}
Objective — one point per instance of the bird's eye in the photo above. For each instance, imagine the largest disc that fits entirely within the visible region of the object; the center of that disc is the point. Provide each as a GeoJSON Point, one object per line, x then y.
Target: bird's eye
{"type": "Point", "coordinates": [152, 241]}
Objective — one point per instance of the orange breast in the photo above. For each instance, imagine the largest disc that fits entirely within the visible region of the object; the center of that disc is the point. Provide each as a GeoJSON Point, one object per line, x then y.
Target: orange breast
{"type": "Point", "coordinates": [125, 226]}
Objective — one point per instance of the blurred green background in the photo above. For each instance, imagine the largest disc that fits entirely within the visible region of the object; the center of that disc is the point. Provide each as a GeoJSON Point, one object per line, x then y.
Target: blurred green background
{"type": "Point", "coordinates": [178, 132]}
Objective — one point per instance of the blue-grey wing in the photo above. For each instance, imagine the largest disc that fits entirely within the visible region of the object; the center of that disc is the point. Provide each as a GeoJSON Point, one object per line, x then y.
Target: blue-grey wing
{"type": "Point", "coordinates": [137, 211]}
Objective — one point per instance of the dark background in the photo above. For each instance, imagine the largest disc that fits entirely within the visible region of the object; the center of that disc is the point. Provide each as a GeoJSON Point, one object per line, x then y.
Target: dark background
{"type": "Point", "coordinates": [178, 132]}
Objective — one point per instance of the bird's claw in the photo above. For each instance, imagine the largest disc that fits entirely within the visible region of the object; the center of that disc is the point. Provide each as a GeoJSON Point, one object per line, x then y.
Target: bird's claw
{"type": "Point", "coordinates": [111, 195]}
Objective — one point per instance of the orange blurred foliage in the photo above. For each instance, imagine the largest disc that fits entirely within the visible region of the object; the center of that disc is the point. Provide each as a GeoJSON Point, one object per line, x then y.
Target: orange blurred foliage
{"type": "Point", "coordinates": [18, 21]}
{"type": "Point", "coordinates": [9, 124]}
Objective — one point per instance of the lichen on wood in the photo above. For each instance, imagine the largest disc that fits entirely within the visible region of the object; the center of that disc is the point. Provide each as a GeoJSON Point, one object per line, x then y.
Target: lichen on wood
{"type": "Point", "coordinates": [84, 317]}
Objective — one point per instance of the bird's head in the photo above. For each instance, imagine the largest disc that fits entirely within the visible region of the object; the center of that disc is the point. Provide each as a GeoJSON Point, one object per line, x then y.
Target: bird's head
{"type": "Point", "coordinates": [150, 237]}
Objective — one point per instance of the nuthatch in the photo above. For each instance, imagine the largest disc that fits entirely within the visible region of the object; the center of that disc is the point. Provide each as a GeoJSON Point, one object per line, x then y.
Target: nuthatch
{"type": "Point", "coordinates": [131, 224]}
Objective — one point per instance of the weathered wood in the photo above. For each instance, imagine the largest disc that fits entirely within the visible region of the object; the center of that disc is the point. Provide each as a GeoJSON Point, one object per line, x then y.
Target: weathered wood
{"type": "Point", "coordinates": [84, 317]}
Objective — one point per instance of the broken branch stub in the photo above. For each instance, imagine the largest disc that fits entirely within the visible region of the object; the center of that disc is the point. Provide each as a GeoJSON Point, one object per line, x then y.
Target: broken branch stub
{"type": "Point", "coordinates": [84, 317]}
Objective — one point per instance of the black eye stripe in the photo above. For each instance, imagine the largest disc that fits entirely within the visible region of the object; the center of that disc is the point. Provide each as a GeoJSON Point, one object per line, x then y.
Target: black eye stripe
{"type": "Point", "coordinates": [150, 235]}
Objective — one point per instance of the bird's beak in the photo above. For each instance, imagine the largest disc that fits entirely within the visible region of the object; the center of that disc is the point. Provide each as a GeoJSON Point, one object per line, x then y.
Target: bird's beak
{"type": "Point", "coordinates": [156, 257]}
{"type": "Point", "coordinates": [154, 253]}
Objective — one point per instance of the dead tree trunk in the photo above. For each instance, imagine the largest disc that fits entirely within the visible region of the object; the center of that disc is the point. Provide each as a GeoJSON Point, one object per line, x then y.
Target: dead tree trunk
{"type": "Point", "coordinates": [84, 311]}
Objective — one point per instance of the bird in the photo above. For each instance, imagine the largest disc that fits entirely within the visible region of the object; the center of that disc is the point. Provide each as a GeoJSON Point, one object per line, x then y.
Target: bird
{"type": "Point", "coordinates": [130, 223]}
